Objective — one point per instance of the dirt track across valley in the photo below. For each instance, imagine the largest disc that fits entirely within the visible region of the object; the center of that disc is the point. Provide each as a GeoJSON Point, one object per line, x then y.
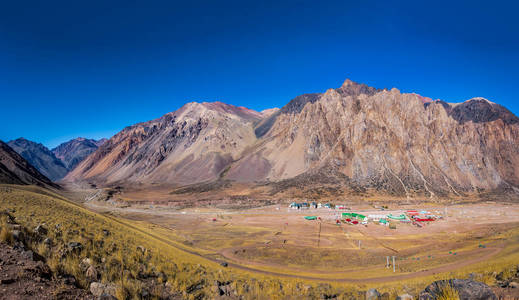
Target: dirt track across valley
{"type": "Point", "coordinates": [440, 269]}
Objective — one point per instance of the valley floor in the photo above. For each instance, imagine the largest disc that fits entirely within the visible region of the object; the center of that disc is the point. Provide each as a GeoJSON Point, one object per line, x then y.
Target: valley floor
{"type": "Point", "coordinates": [205, 252]}
{"type": "Point", "coordinates": [276, 240]}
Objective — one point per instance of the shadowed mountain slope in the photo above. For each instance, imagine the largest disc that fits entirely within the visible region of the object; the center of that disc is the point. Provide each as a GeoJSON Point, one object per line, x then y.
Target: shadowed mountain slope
{"type": "Point", "coordinates": [40, 157]}
{"type": "Point", "coordinates": [14, 169]}
{"type": "Point", "coordinates": [73, 152]}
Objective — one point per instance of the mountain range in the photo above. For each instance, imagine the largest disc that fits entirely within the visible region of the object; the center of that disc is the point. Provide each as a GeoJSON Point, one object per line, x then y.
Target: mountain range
{"type": "Point", "coordinates": [352, 138]}
{"type": "Point", "coordinates": [71, 153]}
{"type": "Point", "coordinates": [40, 157]}
{"type": "Point", "coordinates": [56, 163]}
{"type": "Point", "coordinates": [14, 169]}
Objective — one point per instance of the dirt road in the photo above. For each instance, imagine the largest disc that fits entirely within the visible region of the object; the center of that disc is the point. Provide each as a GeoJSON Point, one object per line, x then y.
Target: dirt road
{"type": "Point", "coordinates": [489, 252]}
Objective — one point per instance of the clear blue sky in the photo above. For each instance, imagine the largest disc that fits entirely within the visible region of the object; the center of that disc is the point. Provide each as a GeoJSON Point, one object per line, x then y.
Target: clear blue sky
{"type": "Point", "coordinates": [90, 68]}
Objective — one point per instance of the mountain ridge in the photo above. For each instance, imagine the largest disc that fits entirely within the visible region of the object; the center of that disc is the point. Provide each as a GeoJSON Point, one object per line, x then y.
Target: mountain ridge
{"type": "Point", "coordinates": [40, 157]}
{"type": "Point", "coordinates": [56, 163]}
{"type": "Point", "coordinates": [226, 128]}
{"type": "Point", "coordinates": [72, 152]}
{"type": "Point", "coordinates": [380, 139]}
{"type": "Point", "coordinates": [14, 169]}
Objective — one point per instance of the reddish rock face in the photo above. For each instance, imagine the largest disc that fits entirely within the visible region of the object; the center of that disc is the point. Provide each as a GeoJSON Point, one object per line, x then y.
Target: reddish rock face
{"type": "Point", "coordinates": [369, 138]}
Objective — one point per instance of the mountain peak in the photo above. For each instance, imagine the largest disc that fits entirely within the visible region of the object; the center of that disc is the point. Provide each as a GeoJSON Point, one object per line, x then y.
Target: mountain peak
{"type": "Point", "coordinates": [269, 111]}
{"type": "Point", "coordinates": [22, 140]}
{"type": "Point", "coordinates": [348, 82]}
{"type": "Point", "coordinates": [222, 107]}
{"type": "Point", "coordinates": [481, 110]}
{"type": "Point", "coordinates": [480, 99]}
{"type": "Point", "coordinates": [352, 88]}
{"type": "Point", "coordinates": [71, 153]}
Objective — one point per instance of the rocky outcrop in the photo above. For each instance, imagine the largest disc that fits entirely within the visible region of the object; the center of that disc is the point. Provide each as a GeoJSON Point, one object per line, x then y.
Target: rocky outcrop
{"type": "Point", "coordinates": [26, 278]}
{"type": "Point", "coordinates": [372, 294]}
{"type": "Point", "coordinates": [73, 152]}
{"type": "Point", "coordinates": [14, 169]}
{"type": "Point", "coordinates": [40, 157]}
{"type": "Point", "coordinates": [99, 289]}
{"type": "Point", "coordinates": [466, 289]}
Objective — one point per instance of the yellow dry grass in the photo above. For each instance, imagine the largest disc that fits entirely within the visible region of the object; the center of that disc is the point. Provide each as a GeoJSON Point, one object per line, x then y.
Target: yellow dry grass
{"type": "Point", "coordinates": [448, 293]}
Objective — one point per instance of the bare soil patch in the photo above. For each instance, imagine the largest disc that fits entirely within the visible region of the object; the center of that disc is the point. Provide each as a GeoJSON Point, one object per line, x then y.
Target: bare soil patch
{"type": "Point", "coordinates": [21, 277]}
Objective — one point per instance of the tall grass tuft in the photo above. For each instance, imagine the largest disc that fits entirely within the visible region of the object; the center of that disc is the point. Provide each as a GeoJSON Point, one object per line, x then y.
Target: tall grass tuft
{"type": "Point", "coordinates": [448, 292]}
{"type": "Point", "coordinates": [6, 235]}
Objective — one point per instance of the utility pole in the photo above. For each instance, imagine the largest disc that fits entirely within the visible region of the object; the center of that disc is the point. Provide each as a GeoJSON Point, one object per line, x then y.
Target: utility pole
{"type": "Point", "coordinates": [319, 236]}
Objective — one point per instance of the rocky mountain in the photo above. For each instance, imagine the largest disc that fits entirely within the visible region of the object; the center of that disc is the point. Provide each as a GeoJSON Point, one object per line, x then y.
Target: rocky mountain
{"type": "Point", "coordinates": [268, 112]}
{"type": "Point", "coordinates": [196, 143]}
{"type": "Point", "coordinates": [71, 153]}
{"type": "Point", "coordinates": [14, 169]}
{"type": "Point", "coordinates": [40, 157]}
{"type": "Point", "coordinates": [100, 142]}
{"type": "Point", "coordinates": [386, 140]}
{"type": "Point", "coordinates": [354, 137]}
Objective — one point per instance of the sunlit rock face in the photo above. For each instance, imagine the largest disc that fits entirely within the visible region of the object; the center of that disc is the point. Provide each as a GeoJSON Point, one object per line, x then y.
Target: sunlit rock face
{"type": "Point", "coordinates": [375, 138]}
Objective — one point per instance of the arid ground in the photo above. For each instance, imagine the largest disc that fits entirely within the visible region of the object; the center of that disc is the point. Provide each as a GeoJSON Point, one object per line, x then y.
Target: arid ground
{"type": "Point", "coordinates": [277, 240]}
{"type": "Point", "coordinates": [272, 251]}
